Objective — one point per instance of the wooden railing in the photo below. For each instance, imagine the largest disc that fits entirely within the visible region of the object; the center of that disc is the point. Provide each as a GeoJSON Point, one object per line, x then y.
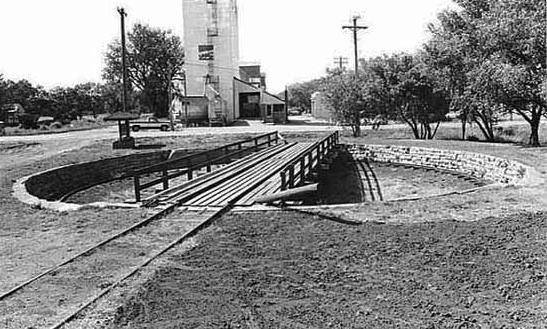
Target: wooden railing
{"type": "Point", "coordinates": [296, 172]}
{"type": "Point", "coordinates": [189, 164]}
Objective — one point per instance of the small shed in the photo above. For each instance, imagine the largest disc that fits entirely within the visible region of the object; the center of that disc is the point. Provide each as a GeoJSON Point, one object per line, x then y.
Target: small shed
{"type": "Point", "coordinates": [10, 114]}
{"type": "Point", "coordinates": [273, 108]}
{"type": "Point", "coordinates": [123, 118]}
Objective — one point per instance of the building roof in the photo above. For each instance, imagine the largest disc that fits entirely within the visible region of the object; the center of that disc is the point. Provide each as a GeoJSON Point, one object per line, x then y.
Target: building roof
{"type": "Point", "coordinates": [270, 99]}
{"type": "Point", "coordinates": [121, 116]}
{"type": "Point", "coordinates": [12, 108]}
{"type": "Point", "coordinates": [245, 87]}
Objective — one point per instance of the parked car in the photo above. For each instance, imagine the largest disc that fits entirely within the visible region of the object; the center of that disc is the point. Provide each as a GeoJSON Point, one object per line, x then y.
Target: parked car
{"type": "Point", "coordinates": [295, 111]}
{"type": "Point", "coordinates": [150, 123]}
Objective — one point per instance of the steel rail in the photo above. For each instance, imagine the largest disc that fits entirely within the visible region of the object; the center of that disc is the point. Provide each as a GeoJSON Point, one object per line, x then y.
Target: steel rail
{"type": "Point", "coordinates": [173, 244]}
{"type": "Point", "coordinates": [222, 189]}
{"type": "Point", "coordinates": [223, 210]}
{"type": "Point", "coordinates": [90, 250]}
{"type": "Point", "coordinates": [201, 180]}
{"type": "Point", "coordinates": [230, 202]}
{"type": "Point", "coordinates": [187, 193]}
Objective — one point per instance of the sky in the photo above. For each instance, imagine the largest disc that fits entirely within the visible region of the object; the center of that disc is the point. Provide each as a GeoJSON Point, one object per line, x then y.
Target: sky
{"type": "Point", "coordinates": [62, 42]}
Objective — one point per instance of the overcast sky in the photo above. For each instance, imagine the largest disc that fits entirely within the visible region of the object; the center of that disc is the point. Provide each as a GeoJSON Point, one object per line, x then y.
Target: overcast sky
{"type": "Point", "coordinates": [62, 42]}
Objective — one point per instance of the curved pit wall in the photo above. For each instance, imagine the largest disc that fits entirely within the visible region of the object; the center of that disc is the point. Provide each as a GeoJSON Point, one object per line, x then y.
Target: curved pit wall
{"type": "Point", "coordinates": [47, 188]}
{"type": "Point", "coordinates": [480, 166]}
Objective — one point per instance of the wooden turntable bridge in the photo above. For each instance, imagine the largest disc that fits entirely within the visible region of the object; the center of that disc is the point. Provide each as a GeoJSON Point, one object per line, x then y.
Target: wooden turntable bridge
{"type": "Point", "coordinates": [264, 165]}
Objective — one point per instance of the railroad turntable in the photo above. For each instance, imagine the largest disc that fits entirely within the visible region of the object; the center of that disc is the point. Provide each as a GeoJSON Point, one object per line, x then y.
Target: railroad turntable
{"type": "Point", "coordinates": [59, 294]}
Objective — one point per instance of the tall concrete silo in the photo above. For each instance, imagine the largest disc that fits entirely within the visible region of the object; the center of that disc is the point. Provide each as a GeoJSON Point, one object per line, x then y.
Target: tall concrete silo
{"type": "Point", "coordinates": [211, 45]}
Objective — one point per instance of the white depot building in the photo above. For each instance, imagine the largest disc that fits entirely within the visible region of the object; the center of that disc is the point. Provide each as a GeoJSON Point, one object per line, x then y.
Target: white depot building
{"type": "Point", "coordinates": [219, 89]}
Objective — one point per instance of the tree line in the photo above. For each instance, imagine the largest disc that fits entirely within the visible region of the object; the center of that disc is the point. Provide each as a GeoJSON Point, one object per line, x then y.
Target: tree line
{"type": "Point", "coordinates": [483, 60]}
{"type": "Point", "coordinates": [154, 57]}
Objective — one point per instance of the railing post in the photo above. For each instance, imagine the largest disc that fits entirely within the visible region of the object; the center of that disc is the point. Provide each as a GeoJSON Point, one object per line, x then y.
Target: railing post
{"type": "Point", "coordinates": [256, 144]}
{"type": "Point", "coordinates": [137, 183]}
{"type": "Point", "coordinates": [269, 142]}
{"type": "Point", "coordinates": [302, 170]}
{"type": "Point", "coordinates": [190, 170]}
{"type": "Point", "coordinates": [165, 179]}
{"type": "Point", "coordinates": [283, 181]}
{"type": "Point", "coordinates": [318, 154]}
{"type": "Point", "coordinates": [291, 176]}
{"type": "Point", "coordinates": [208, 159]}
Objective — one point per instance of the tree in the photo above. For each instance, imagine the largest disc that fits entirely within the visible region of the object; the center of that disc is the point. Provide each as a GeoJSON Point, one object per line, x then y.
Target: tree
{"type": "Point", "coordinates": [3, 90]}
{"type": "Point", "coordinates": [479, 100]}
{"type": "Point", "coordinates": [514, 33]}
{"type": "Point", "coordinates": [21, 92]}
{"type": "Point", "coordinates": [409, 89]}
{"type": "Point", "coordinates": [154, 57]}
{"type": "Point", "coordinates": [446, 53]}
{"type": "Point", "coordinates": [300, 94]}
{"type": "Point", "coordinates": [348, 98]}
{"type": "Point", "coordinates": [509, 36]}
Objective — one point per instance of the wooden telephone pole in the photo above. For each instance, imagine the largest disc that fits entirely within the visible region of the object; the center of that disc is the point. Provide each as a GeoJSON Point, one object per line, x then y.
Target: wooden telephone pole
{"type": "Point", "coordinates": [355, 28]}
{"type": "Point", "coordinates": [123, 15]}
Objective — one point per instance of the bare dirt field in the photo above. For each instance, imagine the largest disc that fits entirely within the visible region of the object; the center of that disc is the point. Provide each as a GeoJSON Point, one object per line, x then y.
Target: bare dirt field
{"type": "Point", "coordinates": [281, 270]}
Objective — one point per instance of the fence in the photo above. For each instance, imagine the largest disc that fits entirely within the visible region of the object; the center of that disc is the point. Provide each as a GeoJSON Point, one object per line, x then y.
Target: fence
{"type": "Point", "coordinates": [298, 170]}
{"type": "Point", "coordinates": [189, 164]}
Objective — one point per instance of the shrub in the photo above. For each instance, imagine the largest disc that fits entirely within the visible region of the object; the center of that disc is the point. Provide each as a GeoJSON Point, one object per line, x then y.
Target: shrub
{"type": "Point", "coordinates": [28, 121]}
{"type": "Point", "coordinates": [56, 125]}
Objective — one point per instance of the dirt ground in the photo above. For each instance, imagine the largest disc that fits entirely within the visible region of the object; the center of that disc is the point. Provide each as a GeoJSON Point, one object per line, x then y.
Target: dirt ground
{"type": "Point", "coordinates": [281, 270]}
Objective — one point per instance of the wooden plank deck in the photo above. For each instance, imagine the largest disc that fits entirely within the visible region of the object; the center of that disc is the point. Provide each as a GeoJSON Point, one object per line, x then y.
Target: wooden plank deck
{"type": "Point", "coordinates": [239, 183]}
{"type": "Point", "coordinates": [267, 169]}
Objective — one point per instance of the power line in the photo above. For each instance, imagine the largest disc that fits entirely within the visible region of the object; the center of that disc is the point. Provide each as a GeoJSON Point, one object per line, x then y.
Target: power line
{"type": "Point", "coordinates": [341, 61]}
{"type": "Point", "coordinates": [214, 66]}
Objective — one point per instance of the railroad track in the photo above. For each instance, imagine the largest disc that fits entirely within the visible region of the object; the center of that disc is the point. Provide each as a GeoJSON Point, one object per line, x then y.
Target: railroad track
{"type": "Point", "coordinates": [55, 297]}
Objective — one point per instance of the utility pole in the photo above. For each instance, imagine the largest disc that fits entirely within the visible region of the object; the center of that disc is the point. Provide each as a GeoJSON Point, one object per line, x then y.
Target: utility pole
{"type": "Point", "coordinates": [355, 28]}
{"type": "Point", "coordinates": [340, 62]}
{"type": "Point", "coordinates": [286, 104]}
{"type": "Point", "coordinates": [185, 99]}
{"type": "Point", "coordinates": [123, 15]}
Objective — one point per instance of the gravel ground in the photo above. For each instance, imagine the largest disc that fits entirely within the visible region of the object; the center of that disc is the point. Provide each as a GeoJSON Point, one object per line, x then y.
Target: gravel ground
{"type": "Point", "coordinates": [280, 270]}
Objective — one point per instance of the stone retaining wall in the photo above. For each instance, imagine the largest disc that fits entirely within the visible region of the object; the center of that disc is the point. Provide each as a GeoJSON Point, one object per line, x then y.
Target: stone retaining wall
{"type": "Point", "coordinates": [52, 185]}
{"type": "Point", "coordinates": [480, 166]}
